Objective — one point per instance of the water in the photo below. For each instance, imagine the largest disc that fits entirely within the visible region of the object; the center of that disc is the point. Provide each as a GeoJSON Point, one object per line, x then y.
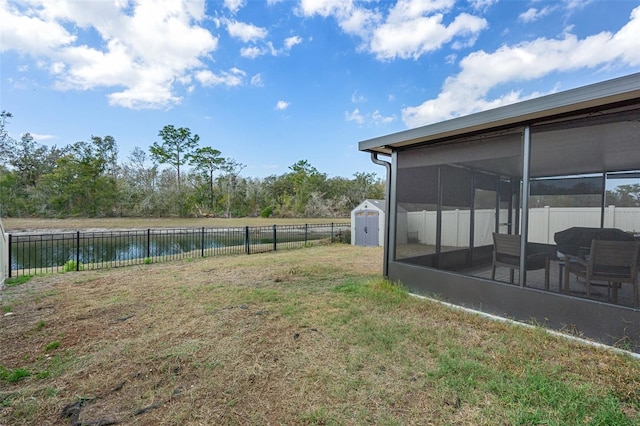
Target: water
{"type": "Point", "coordinates": [59, 249]}
{"type": "Point", "coordinates": [104, 249]}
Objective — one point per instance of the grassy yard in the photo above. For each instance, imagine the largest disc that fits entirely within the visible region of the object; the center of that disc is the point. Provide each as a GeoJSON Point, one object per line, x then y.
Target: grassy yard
{"type": "Point", "coordinates": [44, 225]}
{"type": "Point", "coordinates": [307, 336]}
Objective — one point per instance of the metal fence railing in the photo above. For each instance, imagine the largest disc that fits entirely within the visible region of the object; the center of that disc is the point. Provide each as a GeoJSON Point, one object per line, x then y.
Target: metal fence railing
{"type": "Point", "coordinates": [74, 251]}
{"type": "Point", "coordinates": [4, 256]}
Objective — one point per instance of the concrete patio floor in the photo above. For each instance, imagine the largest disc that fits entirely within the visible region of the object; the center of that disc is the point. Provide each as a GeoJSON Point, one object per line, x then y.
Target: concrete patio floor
{"type": "Point", "coordinates": [577, 286]}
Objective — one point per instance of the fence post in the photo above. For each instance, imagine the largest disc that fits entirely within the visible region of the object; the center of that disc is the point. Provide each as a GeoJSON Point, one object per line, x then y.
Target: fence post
{"type": "Point", "coordinates": [149, 242]}
{"type": "Point", "coordinates": [306, 228]}
{"type": "Point", "coordinates": [77, 251]}
{"type": "Point", "coordinates": [202, 243]}
{"type": "Point", "coordinates": [246, 240]}
{"type": "Point", "coordinates": [457, 215]}
{"type": "Point", "coordinates": [10, 238]}
{"type": "Point", "coordinates": [332, 232]}
{"type": "Point", "coordinates": [611, 216]}
{"type": "Point", "coordinates": [275, 238]}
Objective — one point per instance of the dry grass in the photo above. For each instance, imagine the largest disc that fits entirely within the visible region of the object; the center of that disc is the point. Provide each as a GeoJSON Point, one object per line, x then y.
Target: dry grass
{"type": "Point", "coordinates": [42, 225]}
{"type": "Point", "coordinates": [308, 336]}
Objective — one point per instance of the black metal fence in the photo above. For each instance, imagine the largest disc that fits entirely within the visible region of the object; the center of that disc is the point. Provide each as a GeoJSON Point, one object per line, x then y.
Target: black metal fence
{"type": "Point", "coordinates": [75, 251]}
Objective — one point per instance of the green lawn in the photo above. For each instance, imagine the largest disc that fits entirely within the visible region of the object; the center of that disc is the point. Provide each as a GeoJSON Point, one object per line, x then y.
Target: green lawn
{"type": "Point", "coordinates": [306, 336]}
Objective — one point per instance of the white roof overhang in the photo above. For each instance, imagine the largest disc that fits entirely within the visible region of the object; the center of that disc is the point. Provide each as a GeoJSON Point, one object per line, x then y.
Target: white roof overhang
{"type": "Point", "coordinates": [571, 102]}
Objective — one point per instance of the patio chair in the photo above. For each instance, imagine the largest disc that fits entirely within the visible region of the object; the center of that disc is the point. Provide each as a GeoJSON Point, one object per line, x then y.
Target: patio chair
{"type": "Point", "coordinates": [506, 252]}
{"type": "Point", "coordinates": [615, 262]}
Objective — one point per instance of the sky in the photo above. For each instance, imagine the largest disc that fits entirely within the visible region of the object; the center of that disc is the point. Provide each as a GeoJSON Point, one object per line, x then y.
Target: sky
{"type": "Point", "coordinates": [269, 83]}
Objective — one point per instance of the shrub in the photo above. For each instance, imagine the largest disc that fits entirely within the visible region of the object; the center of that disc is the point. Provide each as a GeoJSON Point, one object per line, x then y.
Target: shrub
{"type": "Point", "coordinates": [71, 265]}
{"type": "Point", "coordinates": [343, 236]}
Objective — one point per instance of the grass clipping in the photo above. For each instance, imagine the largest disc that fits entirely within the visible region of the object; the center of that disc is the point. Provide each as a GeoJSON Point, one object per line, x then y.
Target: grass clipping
{"type": "Point", "coordinates": [308, 336]}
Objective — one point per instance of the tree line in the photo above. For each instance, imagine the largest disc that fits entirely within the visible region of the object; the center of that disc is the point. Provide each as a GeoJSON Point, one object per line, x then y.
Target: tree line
{"type": "Point", "coordinates": [176, 176]}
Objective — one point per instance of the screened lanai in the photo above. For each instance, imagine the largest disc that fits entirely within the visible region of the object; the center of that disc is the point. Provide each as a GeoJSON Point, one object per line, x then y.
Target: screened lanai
{"type": "Point", "coordinates": [499, 210]}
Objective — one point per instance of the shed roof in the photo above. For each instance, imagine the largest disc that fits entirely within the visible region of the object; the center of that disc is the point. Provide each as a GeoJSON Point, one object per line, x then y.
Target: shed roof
{"type": "Point", "coordinates": [377, 203]}
{"type": "Point", "coordinates": [598, 95]}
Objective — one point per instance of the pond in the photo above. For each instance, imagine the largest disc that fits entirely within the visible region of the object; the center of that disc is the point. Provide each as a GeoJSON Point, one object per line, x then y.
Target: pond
{"type": "Point", "coordinates": [113, 248]}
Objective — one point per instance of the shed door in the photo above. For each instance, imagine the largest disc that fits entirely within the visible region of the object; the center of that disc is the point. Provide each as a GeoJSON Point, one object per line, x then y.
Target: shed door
{"type": "Point", "coordinates": [367, 227]}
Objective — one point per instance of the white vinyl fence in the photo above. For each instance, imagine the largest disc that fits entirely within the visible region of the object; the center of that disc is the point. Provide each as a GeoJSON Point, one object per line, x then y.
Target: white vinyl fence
{"type": "Point", "coordinates": [4, 256]}
{"type": "Point", "coordinates": [543, 223]}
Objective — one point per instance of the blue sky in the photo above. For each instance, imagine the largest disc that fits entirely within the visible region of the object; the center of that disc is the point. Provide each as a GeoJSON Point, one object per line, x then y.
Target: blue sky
{"type": "Point", "coordinates": [272, 82]}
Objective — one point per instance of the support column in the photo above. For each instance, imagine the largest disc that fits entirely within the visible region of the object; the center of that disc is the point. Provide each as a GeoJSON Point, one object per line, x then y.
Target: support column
{"type": "Point", "coordinates": [524, 223]}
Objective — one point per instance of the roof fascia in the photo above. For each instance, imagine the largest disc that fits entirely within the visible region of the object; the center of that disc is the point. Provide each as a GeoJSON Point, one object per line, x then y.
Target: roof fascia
{"type": "Point", "coordinates": [527, 112]}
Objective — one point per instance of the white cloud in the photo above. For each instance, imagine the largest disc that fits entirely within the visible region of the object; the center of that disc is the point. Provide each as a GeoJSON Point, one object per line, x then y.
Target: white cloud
{"type": "Point", "coordinates": [267, 48]}
{"type": "Point", "coordinates": [233, 77]}
{"type": "Point", "coordinates": [185, 79]}
{"type": "Point", "coordinates": [42, 137]}
{"type": "Point", "coordinates": [146, 49]}
{"type": "Point", "coordinates": [282, 105]}
{"type": "Point", "coordinates": [375, 118]}
{"type": "Point", "coordinates": [352, 19]}
{"type": "Point", "coordinates": [482, 4]}
{"type": "Point", "coordinates": [252, 52]}
{"type": "Point", "coordinates": [354, 116]}
{"type": "Point", "coordinates": [57, 67]}
{"type": "Point", "coordinates": [411, 37]}
{"type": "Point", "coordinates": [533, 14]}
{"type": "Point", "coordinates": [245, 32]}
{"type": "Point", "coordinates": [378, 118]}
{"type": "Point", "coordinates": [234, 5]}
{"type": "Point", "coordinates": [467, 91]}
{"type": "Point", "coordinates": [571, 5]}
{"type": "Point", "coordinates": [360, 22]}
{"type": "Point", "coordinates": [324, 7]}
{"type": "Point", "coordinates": [289, 42]}
{"type": "Point", "coordinates": [357, 98]}
{"type": "Point", "coordinates": [256, 80]}
{"type": "Point", "coordinates": [411, 28]}
{"type": "Point", "coordinates": [30, 33]}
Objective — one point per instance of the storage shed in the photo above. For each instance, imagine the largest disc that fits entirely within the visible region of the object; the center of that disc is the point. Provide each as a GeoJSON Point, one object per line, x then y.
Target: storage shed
{"type": "Point", "coordinates": [367, 223]}
{"type": "Point", "coordinates": [472, 213]}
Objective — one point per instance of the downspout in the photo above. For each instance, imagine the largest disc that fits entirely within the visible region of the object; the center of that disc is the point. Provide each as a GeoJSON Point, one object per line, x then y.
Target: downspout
{"type": "Point", "coordinates": [387, 203]}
